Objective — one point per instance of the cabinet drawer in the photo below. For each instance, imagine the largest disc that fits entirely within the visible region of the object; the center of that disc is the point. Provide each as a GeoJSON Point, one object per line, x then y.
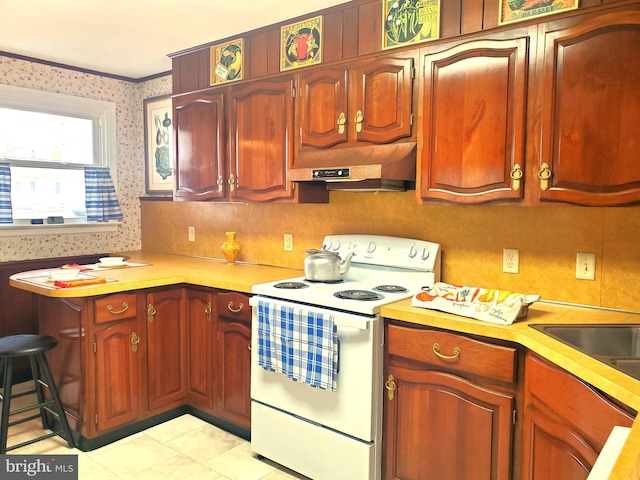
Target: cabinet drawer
{"type": "Point", "coordinates": [235, 306]}
{"type": "Point", "coordinates": [116, 307]}
{"type": "Point", "coordinates": [453, 351]}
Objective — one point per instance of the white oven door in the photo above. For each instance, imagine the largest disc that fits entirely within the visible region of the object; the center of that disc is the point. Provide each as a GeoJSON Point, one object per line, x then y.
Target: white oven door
{"type": "Point", "coordinates": [356, 405]}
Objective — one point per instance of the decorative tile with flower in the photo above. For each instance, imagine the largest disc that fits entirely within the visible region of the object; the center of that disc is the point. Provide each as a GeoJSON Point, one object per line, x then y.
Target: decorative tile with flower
{"type": "Point", "coordinates": [158, 145]}
{"type": "Point", "coordinates": [409, 21]}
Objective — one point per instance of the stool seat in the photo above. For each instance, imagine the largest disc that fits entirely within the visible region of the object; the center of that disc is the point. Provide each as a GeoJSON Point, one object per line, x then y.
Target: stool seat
{"type": "Point", "coordinates": [22, 345]}
{"type": "Point", "coordinates": [34, 347]}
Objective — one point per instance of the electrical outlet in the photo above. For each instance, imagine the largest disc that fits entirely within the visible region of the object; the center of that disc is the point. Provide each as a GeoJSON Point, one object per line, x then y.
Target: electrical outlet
{"type": "Point", "coordinates": [586, 266]}
{"type": "Point", "coordinates": [192, 234]}
{"type": "Point", "coordinates": [288, 242]}
{"type": "Point", "coordinates": [510, 260]}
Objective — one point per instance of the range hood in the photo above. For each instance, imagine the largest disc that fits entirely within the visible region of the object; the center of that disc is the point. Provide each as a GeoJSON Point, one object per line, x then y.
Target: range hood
{"type": "Point", "coordinates": [367, 168]}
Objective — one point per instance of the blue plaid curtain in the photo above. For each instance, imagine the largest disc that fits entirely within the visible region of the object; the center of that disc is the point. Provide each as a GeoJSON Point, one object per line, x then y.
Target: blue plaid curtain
{"type": "Point", "coordinates": [100, 195]}
{"type": "Point", "coordinates": [5, 194]}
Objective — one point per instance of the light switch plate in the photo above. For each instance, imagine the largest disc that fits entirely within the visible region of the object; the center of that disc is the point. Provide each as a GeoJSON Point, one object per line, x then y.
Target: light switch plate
{"type": "Point", "coordinates": [586, 266]}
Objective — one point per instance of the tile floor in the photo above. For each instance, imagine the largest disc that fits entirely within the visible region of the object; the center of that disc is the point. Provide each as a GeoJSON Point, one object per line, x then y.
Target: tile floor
{"type": "Point", "coordinates": [184, 448]}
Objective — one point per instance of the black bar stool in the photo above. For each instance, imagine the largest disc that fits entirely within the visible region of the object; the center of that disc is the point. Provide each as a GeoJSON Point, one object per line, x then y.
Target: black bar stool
{"type": "Point", "coordinates": [34, 347]}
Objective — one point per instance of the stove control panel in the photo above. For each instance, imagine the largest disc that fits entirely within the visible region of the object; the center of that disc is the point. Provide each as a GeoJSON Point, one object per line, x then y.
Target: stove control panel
{"type": "Point", "coordinates": [386, 251]}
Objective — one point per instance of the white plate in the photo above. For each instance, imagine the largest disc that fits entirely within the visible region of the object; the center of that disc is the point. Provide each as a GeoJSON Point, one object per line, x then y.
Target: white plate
{"type": "Point", "coordinates": [64, 274]}
{"type": "Point", "coordinates": [111, 261]}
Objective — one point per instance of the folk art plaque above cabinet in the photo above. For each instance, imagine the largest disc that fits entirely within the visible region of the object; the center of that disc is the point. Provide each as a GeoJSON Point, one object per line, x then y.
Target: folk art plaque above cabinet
{"type": "Point", "coordinates": [226, 61]}
{"type": "Point", "coordinates": [517, 10]}
{"type": "Point", "coordinates": [410, 21]}
{"type": "Point", "coordinates": [301, 44]}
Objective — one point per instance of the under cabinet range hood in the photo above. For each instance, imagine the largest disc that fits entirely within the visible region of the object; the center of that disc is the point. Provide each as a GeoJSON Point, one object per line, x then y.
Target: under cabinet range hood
{"type": "Point", "coordinates": [368, 168]}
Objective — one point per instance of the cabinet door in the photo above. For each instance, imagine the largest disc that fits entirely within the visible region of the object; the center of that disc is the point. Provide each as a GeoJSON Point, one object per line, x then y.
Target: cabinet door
{"type": "Point", "coordinates": [118, 350]}
{"type": "Point", "coordinates": [591, 110]}
{"type": "Point", "coordinates": [234, 371]}
{"type": "Point", "coordinates": [473, 110]}
{"type": "Point", "coordinates": [200, 150]}
{"type": "Point", "coordinates": [322, 101]}
{"type": "Point", "coordinates": [234, 357]}
{"type": "Point", "coordinates": [166, 345]}
{"type": "Point", "coordinates": [566, 423]}
{"type": "Point", "coordinates": [381, 99]}
{"type": "Point", "coordinates": [439, 425]}
{"type": "Point", "coordinates": [201, 329]}
{"type": "Point", "coordinates": [261, 118]}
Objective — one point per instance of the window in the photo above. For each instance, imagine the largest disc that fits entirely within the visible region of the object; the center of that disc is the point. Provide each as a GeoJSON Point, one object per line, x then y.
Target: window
{"type": "Point", "coordinates": [48, 139]}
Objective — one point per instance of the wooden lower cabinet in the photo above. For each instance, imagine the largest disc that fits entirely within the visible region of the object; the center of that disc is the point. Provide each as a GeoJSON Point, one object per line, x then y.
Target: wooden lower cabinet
{"type": "Point", "coordinates": [127, 357]}
{"type": "Point", "coordinates": [118, 358]}
{"type": "Point", "coordinates": [440, 422]}
{"type": "Point", "coordinates": [167, 348]}
{"type": "Point", "coordinates": [566, 423]}
{"type": "Point", "coordinates": [201, 328]}
{"type": "Point", "coordinates": [234, 358]}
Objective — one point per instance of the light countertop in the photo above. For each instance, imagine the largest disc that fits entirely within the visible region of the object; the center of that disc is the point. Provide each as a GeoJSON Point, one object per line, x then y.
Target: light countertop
{"type": "Point", "coordinates": [163, 270]}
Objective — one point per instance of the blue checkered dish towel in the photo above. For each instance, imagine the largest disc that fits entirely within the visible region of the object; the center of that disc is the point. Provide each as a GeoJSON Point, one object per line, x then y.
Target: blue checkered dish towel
{"type": "Point", "coordinates": [301, 344]}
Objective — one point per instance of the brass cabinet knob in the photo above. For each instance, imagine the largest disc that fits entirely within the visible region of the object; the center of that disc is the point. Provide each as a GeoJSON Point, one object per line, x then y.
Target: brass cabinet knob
{"type": "Point", "coordinates": [390, 385]}
{"type": "Point", "coordinates": [544, 174]}
{"type": "Point", "coordinates": [151, 312]}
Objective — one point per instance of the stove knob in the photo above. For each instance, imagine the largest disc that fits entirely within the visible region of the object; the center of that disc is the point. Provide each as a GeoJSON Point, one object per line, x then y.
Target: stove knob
{"type": "Point", "coordinates": [335, 246]}
{"type": "Point", "coordinates": [425, 253]}
{"type": "Point", "coordinates": [412, 251]}
{"type": "Point", "coordinates": [371, 247]}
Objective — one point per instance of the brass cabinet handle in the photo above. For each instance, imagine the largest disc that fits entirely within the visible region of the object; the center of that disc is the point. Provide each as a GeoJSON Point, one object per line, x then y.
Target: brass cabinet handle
{"type": "Point", "coordinates": [544, 174]}
{"type": "Point", "coordinates": [207, 311]}
{"type": "Point", "coordinates": [249, 347]}
{"type": "Point", "coordinates": [456, 352]}
{"type": "Point", "coordinates": [151, 311]}
{"type": "Point", "coordinates": [235, 310]}
{"type": "Point", "coordinates": [125, 307]}
{"type": "Point", "coordinates": [390, 385]}
{"type": "Point", "coordinates": [135, 340]}
{"type": "Point", "coordinates": [342, 120]}
{"type": "Point", "coordinates": [359, 118]}
{"type": "Point", "coordinates": [232, 182]}
{"type": "Point", "coordinates": [220, 183]}
{"type": "Point", "coordinates": [516, 175]}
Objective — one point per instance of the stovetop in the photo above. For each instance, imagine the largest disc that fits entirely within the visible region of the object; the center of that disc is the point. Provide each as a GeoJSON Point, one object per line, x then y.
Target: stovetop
{"type": "Point", "coordinates": [374, 278]}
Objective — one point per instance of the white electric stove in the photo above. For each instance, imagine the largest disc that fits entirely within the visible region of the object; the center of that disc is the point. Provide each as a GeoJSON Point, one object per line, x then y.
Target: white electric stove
{"type": "Point", "coordinates": [324, 434]}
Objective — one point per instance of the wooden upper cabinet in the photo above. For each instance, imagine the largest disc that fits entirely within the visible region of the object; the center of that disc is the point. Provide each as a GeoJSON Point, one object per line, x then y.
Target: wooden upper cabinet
{"type": "Point", "coordinates": [591, 109]}
{"type": "Point", "coordinates": [200, 147]}
{"type": "Point", "coordinates": [261, 118]}
{"type": "Point", "coordinates": [322, 101]}
{"type": "Point", "coordinates": [473, 111]}
{"type": "Point", "coordinates": [371, 102]}
{"type": "Point", "coordinates": [383, 93]}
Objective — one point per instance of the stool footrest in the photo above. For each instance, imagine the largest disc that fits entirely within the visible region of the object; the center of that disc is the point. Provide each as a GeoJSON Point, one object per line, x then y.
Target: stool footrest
{"type": "Point", "coordinates": [34, 440]}
{"type": "Point", "coordinates": [32, 407]}
{"type": "Point", "coordinates": [23, 420]}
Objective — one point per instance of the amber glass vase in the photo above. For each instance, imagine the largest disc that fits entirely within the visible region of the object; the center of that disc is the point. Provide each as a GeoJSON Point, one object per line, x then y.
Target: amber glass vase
{"type": "Point", "coordinates": [231, 248]}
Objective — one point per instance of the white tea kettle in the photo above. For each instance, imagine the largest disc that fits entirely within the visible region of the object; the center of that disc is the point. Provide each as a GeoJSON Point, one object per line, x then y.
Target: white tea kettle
{"type": "Point", "coordinates": [325, 266]}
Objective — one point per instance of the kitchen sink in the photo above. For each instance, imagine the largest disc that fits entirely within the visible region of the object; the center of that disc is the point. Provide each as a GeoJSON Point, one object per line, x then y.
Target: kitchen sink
{"type": "Point", "coordinates": [617, 345]}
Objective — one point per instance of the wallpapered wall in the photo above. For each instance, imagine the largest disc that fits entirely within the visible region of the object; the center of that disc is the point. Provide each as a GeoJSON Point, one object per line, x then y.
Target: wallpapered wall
{"type": "Point", "coordinates": [128, 97]}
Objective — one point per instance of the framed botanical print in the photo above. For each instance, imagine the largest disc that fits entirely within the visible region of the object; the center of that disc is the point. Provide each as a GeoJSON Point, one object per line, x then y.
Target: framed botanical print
{"type": "Point", "coordinates": [409, 21]}
{"type": "Point", "coordinates": [158, 145]}
{"type": "Point", "coordinates": [517, 10]}
{"type": "Point", "coordinates": [226, 61]}
{"type": "Point", "coordinates": [301, 44]}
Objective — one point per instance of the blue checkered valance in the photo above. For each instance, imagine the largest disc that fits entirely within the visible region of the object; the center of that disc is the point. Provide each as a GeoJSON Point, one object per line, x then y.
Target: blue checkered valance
{"type": "Point", "coordinates": [5, 194]}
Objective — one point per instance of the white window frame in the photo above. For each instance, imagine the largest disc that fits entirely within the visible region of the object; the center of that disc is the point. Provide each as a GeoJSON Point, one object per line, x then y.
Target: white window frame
{"type": "Point", "coordinates": [61, 104]}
